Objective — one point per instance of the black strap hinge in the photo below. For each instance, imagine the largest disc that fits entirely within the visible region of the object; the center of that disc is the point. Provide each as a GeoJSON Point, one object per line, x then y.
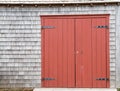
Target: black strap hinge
{"type": "Point", "coordinates": [48, 78]}
{"type": "Point", "coordinates": [102, 26]}
{"type": "Point", "coordinates": [47, 27]}
{"type": "Point", "coordinates": [102, 79]}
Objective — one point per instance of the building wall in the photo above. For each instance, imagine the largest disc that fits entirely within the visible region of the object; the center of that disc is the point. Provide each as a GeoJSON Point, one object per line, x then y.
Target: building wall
{"type": "Point", "coordinates": [51, 0]}
{"type": "Point", "coordinates": [118, 47]}
{"type": "Point", "coordinates": [20, 42]}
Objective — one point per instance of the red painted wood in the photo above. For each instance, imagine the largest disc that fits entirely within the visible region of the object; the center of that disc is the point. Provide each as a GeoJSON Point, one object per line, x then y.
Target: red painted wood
{"type": "Point", "coordinates": [78, 52]}
{"type": "Point", "coordinates": [75, 52]}
{"type": "Point", "coordinates": [65, 53]}
{"type": "Point", "coordinates": [87, 59]}
{"type": "Point", "coordinates": [76, 16]}
{"type": "Point", "coordinates": [103, 53]}
{"type": "Point", "coordinates": [45, 55]}
{"type": "Point", "coordinates": [94, 52]}
{"type": "Point", "coordinates": [108, 54]}
{"type": "Point", "coordinates": [71, 56]}
{"type": "Point", "coordinates": [100, 53]}
{"type": "Point", "coordinates": [83, 58]}
{"type": "Point", "coordinates": [52, 53]}
{"type": "Point", "coordinates": [59, 53]}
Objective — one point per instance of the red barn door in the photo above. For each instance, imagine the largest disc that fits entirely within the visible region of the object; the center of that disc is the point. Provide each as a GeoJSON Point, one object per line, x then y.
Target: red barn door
{"type": "Point", "coordinates": [75, 51]}
{"type": "Point", "coordinates": [91, 57]}
{"type": "Point", "coordinates": [58, 53]}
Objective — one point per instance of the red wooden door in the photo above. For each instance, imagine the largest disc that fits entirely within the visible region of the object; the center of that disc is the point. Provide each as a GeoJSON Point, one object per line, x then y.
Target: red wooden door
{"type": "Point", "coordinates": [75, 51]}
{"type": "Point", "coordinates": [58, 53]}
{"type": "Point", "coordinates": [83, 55]}
{"type": "Point", "coordinates": [91, 53]}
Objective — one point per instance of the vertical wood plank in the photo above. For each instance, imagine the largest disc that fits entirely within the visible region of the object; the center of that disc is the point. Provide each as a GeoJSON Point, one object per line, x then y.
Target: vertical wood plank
{"type": "Point", "coordinates": [83, 46]}
{"type": "Point", "coordinates": [94, 54]}
{"type": "Point", "coordinates": [97, 52]}
{"type": "Point", "coordinates": [71, 57]}
{"type": "Point", "coordinates": [78, 51]}
{"type": "Point", "coordinates": [87, 59]}
{"type": "Point", "coordinates": [108, 51]}
{"type": "Point", "coordinates": [65, 31]}
{"type": "Point", "coordinates": [100, 53]}
{"type": "Point", "coordinates": [46, 60]}
{"type": "Point", "coordinates": [53, 53]}
{"type": "Point", "coordinates": [60, 53]}
{"type": "Point", "coordinates": [103, 53]}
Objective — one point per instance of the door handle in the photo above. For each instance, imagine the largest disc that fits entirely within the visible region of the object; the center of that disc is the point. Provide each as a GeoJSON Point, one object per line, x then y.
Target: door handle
{"type": "Point", "coordinates": [77, 52]}
{"type": "Point", "coordinates": [81, 52]}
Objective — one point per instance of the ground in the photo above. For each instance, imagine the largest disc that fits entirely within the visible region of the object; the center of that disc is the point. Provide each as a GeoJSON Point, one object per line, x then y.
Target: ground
{"type": "Point", "coordinates": [16, 89]}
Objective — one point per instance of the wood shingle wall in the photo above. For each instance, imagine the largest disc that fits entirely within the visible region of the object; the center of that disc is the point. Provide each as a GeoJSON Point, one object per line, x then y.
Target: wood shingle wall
{"type": "Point", "coordinates": [20, 41]}
{"type": "Point", "coordinates": [49, 0]}
{"type": "Point", "coordinates": [34, 1]}
{"type": "Point", "coordinates": [19, 47]}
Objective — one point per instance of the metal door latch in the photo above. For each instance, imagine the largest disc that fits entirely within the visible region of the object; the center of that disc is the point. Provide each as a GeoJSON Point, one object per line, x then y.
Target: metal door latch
{"type": "Point", "coordinates": [48, 79]}
{"type": "Point", "coordinates": [102, 79]}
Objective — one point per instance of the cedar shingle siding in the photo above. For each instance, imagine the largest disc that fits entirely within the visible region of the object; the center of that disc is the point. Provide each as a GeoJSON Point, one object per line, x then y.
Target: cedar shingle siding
{"type": "Point", "coordinates": [45, 0]}
{"type": "Point", "coordinates": [34, 1]}
{"type": "Point", "coordinates": [20, 41]}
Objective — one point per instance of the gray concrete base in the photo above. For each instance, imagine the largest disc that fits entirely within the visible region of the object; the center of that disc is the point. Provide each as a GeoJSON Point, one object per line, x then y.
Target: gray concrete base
{"type": "Point", "coordinates": [75, 89]}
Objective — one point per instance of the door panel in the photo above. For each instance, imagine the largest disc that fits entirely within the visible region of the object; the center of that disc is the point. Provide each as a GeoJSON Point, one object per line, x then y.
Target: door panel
{"type": "Point", "coordinates": [91, 57]}
{"type": "Point", "coordinates": [84, 56]}
{"type": "Point", "coordinates": [99, 53]}
{"type": "Point", "coordinates": [79, 51]}
{"type": "Point", "coordinates": [75, 52]}
{"type": "Point", "coordinates": [58, 59]}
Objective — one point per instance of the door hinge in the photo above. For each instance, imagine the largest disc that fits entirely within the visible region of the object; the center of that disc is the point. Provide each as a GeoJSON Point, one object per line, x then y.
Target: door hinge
{"type": "Point", "coordinates": [102, 26]}
{"type": "Point", "coordinates": [102, 79]}
{"type": "Point", "coordinates": [47, 27]}
{"type": "Point", "coordinates": [48, 79]}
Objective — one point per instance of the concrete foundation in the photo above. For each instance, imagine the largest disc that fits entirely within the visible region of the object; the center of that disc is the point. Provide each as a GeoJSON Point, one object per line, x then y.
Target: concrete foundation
{"type": "Point", "coordinates": [75, 89]}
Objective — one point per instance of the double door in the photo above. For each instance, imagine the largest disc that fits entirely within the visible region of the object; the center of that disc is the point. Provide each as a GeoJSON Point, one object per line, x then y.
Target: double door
{"type": "Point", "coordinates": [75, 51]}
